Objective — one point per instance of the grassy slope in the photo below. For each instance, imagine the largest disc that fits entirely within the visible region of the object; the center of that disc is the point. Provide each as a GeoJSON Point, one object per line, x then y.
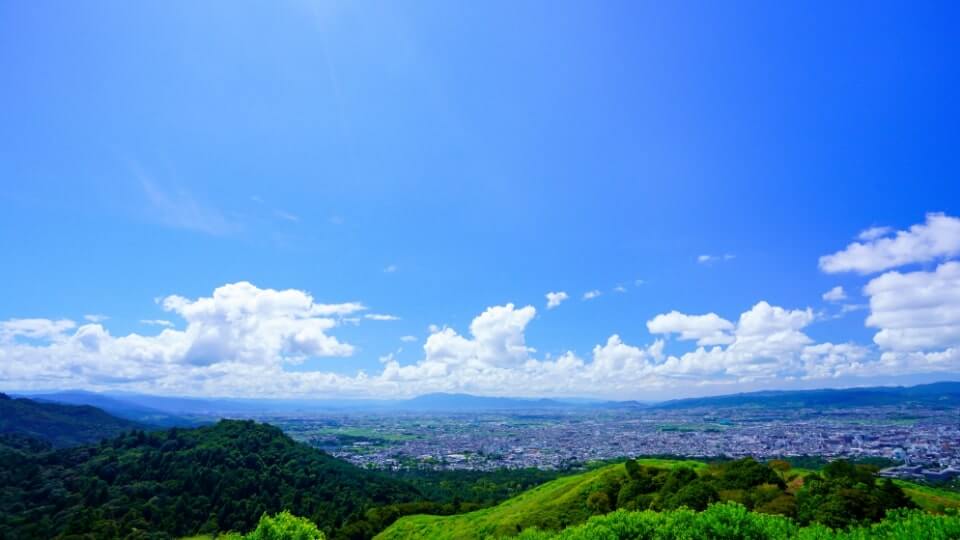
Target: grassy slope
{"type": "Point", "coordinates": [553, 505]}
{"type": "Point", "coordinates": [563, 501]}
{"type": "Point", "coordinates": [930, 498]}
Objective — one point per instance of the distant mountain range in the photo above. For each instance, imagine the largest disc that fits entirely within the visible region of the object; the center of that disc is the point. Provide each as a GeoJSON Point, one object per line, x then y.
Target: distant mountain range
{"type": "Point", "coordinates": [941, 394]}
{"type": "Point", "coordinates": [130, 410]}
{"type": "Point", "coordinates": [59, 424]}
{"type": "Point", "coordinates": [179, 411]}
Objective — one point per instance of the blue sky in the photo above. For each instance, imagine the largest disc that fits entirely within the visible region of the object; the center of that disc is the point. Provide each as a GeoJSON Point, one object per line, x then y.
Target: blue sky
{"type": "Point", "coordinates": [484, 154]}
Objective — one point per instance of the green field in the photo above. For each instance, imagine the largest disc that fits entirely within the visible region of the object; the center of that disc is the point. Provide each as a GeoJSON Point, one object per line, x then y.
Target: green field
{"type": "Point", "coordinates": [553, 506]}
{"type": "Point", "coordinates": [930, 498]}
{"type": "Point", "coordinates": [366, 434]}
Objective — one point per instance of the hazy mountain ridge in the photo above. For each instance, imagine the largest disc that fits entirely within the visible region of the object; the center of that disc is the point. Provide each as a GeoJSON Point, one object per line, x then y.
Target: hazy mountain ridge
{"type": "Point", "coordinates": [946, 394]}
{"type": "Point", "coordinates": [169, 409]}
{"type": "Point", "coordinates": [59, 424]}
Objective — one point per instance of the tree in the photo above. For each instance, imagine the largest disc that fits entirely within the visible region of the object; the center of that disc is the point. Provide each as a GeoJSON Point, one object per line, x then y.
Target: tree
{"type": "Point", "coordinates": [598, 502]}
{"type": "Point", "coordinates": [781, 466]}
{"type": "Point", "coordinates": [285, 526]}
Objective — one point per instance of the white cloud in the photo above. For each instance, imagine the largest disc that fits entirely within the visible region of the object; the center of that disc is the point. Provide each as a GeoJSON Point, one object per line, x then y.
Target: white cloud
{"type": "Point", "coordinates": [710, 259]}
{"type": "Point", "coordinates": [95, 318]}
{"type": "Point", "coordinates": [408, 339]}
{"type": "Point", "coordinates": [381, 317]}
{"type": "Point", "coordinates": [848, 308]}
{"type": "Point", "coordinates": [34, 328]}
{"type": "Point", "coordinates": [620, 289]}
{"type": "Point", "coordinates": [239, 340]}
{"type": "Point", "coordinates": [937, 238]}
{"type": "Point", "coordinates": [873, 233]}
{"type": "Point", "coordinates": [835, 294]}
{"type": "Point", "coordinates": [709, 329]}
{"type": "Point", "coordinates": [554, 299]}
{"type": "Point", "coordinates": [156, 322]}
{"type": "Point", "coordinates": [390, 269]}
{"type": "Point", "coordinates": [240, 333]}
{"type": "Point", "coordinates": [638, 282]}
{"type": "Point", "coordinates": [590, 295]}
{"type": "Point", "coordinates": [916, 311]}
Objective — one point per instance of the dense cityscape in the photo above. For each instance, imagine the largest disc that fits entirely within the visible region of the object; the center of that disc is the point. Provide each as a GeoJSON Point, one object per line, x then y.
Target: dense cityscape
{"type": "Point", "coordinates": [925, 441]}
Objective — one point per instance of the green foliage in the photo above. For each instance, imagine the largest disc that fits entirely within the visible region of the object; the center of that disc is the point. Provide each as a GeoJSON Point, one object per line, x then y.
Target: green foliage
{"type": "Point", "coordinates": [845, 495]}
{"type": "Point", "coordinates": [285, 526]}
{"type": "Point", "coordinates": [731, 521]}
{"type": "Point", "coordinates": [181, 482]}
{"type": "Point", "coordinates": [480, 487]}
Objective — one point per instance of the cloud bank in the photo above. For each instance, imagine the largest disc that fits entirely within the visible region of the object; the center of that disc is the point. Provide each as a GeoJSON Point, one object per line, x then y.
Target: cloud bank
{"type": "Point", "coordinates": [242, 340]}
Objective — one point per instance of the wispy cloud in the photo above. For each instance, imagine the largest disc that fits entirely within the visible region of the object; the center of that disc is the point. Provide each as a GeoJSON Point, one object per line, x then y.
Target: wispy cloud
{"type": "Point", "coordinates": [590, 295]}
{"type": "Point", "coordinates": [390, 269]}
{"type": "Point", "coordinates": [408, 339]}
{"type": "Point", "coordinates": [710, 259]}
{"type": "Point", "coordinates": [177, 208]}
{"type": "Point", "coordinates": [95, 317]}
{"type": "Point", "coordinates": [835, 294]}
{"type": "Point", "coordinates": [381, 317]}
{"type": "Point", "coordinates": [286, 215]}
{"type": "Point", "coordinates": [156, 322]}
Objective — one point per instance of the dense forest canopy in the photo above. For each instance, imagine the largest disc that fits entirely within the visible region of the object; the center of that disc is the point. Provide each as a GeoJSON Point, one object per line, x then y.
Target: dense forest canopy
{"type": "Point", "coordinates": [180, 482]}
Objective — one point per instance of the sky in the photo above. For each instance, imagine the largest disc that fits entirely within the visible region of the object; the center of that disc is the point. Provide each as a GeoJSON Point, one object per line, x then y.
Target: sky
{"type": "Point", "coordinates": [631, 200]}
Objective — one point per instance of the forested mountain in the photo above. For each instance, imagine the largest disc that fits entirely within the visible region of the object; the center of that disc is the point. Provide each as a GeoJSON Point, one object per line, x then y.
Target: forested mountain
{"type": "Point", "coordinates": [58, 424]}
{"type": "Point", "coordinates": [179, 482]}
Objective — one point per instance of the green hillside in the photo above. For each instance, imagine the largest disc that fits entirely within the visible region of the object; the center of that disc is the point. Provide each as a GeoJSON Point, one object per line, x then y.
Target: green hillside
{"type": "Point", "coordinates": [840, 495]}
{"type": "Point", "coordinates": [553, 505]}
{"type": "Point", "coordinates": [58, 424]}
{"type": "Point", "coordinates": [931, 498]}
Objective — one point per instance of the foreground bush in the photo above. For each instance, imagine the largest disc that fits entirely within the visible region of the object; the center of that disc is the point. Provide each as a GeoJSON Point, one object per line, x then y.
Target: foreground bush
{"type": "Point", "coordinates": [283, 526]}
{"type": "Point", "coordinates": [731, 521]}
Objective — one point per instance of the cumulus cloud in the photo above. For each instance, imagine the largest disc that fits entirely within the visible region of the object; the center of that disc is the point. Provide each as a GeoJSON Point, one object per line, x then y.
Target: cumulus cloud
{"type": "Point", "coordinates": [239, 331]}
{"type": "Point", "coordinates": [34, 328]}
{"type": "Point", "coordinates": [590, 295]}
{"type": "Point", "coordinates": [835, 294]}
{"type": "Point", "coordinates": [709, 329]}
{"type": "Point", "coordinates": [916, 311]}
{"type": "Point", "coordinates": [937, 238]}
{"type": "Point", "coordinates": [240, 339]}
{"type": "Point", "coordinates": [554, 299]}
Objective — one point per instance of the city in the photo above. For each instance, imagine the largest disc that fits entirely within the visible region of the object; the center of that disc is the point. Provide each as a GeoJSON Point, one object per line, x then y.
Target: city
{"type": "Point", "coordinates": [926, 440]}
